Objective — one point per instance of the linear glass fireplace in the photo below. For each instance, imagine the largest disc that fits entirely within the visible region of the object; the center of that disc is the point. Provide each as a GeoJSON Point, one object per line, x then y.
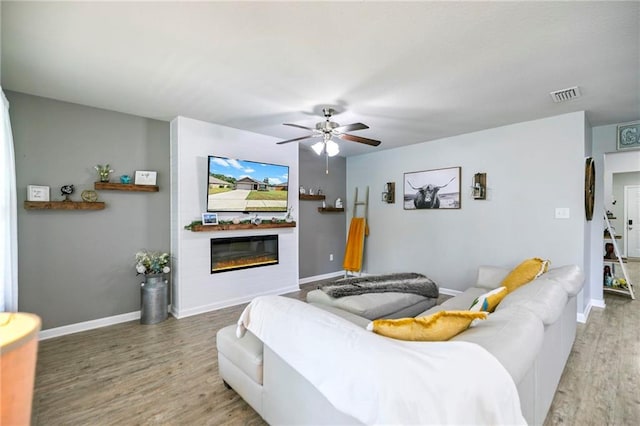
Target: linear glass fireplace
{"type": "Point", "coordinates": [243, 252]}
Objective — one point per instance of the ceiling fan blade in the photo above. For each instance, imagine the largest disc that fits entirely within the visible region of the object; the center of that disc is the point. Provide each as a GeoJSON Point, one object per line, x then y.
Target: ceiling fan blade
{"type": "Point", "coordinates": [351, 127]}
{"type": "Point", "coordinates": [298, 126]}
{"type": "Point", "coordinates": [298, 139]}
{"type": "Point", "coordinates": [353, 138]}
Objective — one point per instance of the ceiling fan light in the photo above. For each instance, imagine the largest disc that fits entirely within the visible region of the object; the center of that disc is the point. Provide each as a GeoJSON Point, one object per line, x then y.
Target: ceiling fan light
{"type": "Point", "coordinates": [332, 148]}
{"type": "Point", "coordinates": [318, 147]}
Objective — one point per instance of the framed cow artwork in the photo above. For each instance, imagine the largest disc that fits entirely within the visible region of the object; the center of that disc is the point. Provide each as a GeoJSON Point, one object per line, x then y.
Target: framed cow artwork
{"type": "Point", "coordinates": [432, 189]}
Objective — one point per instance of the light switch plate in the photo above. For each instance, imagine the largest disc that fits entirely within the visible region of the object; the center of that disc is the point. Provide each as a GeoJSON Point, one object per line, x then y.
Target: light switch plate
{"type": "Point", "coordinates": [563, 213]}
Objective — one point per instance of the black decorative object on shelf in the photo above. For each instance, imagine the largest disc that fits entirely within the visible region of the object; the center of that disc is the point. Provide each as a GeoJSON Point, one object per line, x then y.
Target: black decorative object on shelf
{"type": "Point", "coordinates": [67, 190]}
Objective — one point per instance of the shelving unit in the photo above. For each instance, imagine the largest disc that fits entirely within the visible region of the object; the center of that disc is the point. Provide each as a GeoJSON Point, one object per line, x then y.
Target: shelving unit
{"type": "Point", "coordinates": [63, 205]}
{"type": "Point", "coordinates": [618, 260]}
{"type": "Point", "coordinates": [130, 187]}
{"type": "Point", "coordinates": [330, 209]}
{"type": "Point", "coordinates": [311, 197]}
{"type": "Point", "coordinates": [234, 227]}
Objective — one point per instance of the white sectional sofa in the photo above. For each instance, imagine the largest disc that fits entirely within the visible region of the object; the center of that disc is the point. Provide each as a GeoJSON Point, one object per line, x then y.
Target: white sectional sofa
{"type": "Point", "coordinates": [530, 333]}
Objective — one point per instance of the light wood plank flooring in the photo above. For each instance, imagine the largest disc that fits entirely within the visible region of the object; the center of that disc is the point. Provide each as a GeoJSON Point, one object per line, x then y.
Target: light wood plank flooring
{"type": "Point", "coordinates": [601, 382]}
{"type": "Point", "coordinates": [167, 374]}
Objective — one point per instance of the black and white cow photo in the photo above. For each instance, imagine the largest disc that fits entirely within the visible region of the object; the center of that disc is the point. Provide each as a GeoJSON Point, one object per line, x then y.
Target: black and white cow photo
{"type": "Point", "coordinates": [432, 189]}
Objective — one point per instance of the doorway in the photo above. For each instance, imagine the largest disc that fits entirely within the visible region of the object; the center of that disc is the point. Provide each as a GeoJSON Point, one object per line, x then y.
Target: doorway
{"type": "Point", "coordinates": [624, 205]}
{"type": "Point", "coordinates": [631, 224]}
{"type": "Point", "coordinates": [621, 198]}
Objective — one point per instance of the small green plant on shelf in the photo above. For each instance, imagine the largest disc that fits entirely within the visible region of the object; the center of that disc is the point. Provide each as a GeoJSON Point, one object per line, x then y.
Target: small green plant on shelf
{"type": "Point", "coordinates": [103, 172]}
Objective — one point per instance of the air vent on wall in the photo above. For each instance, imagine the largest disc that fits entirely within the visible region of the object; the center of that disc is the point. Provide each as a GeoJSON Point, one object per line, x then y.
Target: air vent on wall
{"type": "Point", "coordinates": [565, 94]}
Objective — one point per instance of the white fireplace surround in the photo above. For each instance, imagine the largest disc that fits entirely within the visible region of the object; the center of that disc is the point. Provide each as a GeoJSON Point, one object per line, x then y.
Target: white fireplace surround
{"type": "Point", "coordinates": [195, 290]}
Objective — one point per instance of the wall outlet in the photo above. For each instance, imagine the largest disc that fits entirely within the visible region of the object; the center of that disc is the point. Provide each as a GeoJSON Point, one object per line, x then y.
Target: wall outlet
{"type": "Point", "coordinates": [563, 213]}
{"type": "Point", "coordinates": [331, 258]}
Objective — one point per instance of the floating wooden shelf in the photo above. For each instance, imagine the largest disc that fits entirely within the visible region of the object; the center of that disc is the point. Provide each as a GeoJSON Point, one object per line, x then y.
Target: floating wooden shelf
{"type": "Point", "coordinates": [63, 205]}
{"type": "Point", "coordinates": [330, 209]}
{"type": "Point", "coordinates": [234, 227]}
{"type": "Point", "coordinates": [125, 187]}
{"type": "Point", "coordinates": [312, 197]}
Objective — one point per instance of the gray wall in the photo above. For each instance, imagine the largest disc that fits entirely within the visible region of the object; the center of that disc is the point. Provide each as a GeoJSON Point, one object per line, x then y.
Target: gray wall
{"type": "Point", "coordinates": [321, 234]}
{"type": "Point", "coordinates": [532, 168]}
{"type": "Point", "coordinates": [77, 266]}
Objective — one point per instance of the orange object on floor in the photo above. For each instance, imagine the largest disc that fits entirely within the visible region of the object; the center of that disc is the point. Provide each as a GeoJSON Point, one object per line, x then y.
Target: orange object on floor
{"type": "Point", "coordinates": [18, 352]}
{"type": "Point", "coordinates": [354, 250]}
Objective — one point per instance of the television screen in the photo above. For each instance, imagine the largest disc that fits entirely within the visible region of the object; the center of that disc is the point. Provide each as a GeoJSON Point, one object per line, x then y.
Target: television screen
{"type": "Point", "coordinates": [246, 186]}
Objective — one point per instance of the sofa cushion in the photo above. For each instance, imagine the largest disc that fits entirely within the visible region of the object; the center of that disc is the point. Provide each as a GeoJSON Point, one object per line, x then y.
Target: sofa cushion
{"type": "Point", "coordinates": [513, 336]}
{"type": "Point", "coordinates": [370, 305]}
{"type": "Point", "coordinates": [569, 277]}
{"type": "Point", "coordinates": [438, 327]}
{"type": "Point", "coordinates": [461, 302]}
{"type": "Point", "coordinates": [491, 276]}
{"type": "Point", "coordinates": [489, 301]}
{"type": "Point", "coordinates": [543, 297]}
{"type": "Point", "coordinates": [525, 272]}
{"type": "Point", "coordinates": [244, 352]}
{"type": "Point", "coordinates": [357, 320]}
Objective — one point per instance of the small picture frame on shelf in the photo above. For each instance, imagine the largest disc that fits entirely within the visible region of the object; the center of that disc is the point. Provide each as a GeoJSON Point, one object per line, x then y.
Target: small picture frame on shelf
{"type": "Point", "coordinates": [209, 218]}
{"type": "Point", "coordinates": [145, 177]}
{"type": "Point", "coordinates": [37, 193]}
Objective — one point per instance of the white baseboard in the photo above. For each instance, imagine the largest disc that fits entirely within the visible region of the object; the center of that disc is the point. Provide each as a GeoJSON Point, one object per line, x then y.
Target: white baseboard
{"type": "Point", "coordinates": [582, 317]}
{"type": "Point", "coordinates": [449, 291]}
{"type": "Point", "coordinates": [179, 314]}
{"type": "Point", "coordinates": [307, 280]}
{"type": "Point", "coordinates": [87, 325]}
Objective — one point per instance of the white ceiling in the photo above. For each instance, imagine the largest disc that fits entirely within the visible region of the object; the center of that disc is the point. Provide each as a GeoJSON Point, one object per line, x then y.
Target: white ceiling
{"type": "Point", "coordinates": [413, 71]}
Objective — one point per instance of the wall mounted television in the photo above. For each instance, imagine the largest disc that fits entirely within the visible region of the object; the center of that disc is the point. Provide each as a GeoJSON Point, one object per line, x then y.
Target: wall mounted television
{"type": "Point", "coordinates": [246, 186]}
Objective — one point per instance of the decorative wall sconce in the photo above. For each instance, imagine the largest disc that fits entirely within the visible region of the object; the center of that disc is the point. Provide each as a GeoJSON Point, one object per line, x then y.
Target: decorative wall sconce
{"type": "Point", "coordinates": [480, 186]}
{"type": "Point", "coordinates": [389, 195]}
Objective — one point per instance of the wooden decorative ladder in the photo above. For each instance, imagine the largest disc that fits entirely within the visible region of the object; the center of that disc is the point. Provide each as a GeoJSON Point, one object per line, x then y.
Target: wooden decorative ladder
{"type": "Point", "coordinates": [360, 240]}
{"type": "Point", "coordinates": [628, 291]}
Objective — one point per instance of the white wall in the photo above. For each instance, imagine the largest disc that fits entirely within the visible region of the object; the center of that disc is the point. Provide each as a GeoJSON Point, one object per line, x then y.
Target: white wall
{"type": "Point", "coordinates": [195, 289]}
{"type": "Point", "coordinates": [531, 167]}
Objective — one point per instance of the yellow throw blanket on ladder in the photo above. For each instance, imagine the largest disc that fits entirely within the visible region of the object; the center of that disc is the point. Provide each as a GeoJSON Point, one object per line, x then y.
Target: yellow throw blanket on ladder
{"type": "Point", "coordinates": [355, 244]}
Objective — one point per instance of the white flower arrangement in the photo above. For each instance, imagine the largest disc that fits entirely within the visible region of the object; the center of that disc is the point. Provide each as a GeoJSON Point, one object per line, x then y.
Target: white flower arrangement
{"type": "Point", "coordinates": [152, 262]}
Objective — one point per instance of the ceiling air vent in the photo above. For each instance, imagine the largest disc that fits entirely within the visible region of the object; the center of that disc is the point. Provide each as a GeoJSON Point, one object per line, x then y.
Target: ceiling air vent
{"type": "Point", "coordinates": [565, 94]}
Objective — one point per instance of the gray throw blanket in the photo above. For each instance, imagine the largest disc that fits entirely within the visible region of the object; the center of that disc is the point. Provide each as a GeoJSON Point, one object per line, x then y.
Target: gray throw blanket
{"type": "Point", "coordinates": [408, 282]}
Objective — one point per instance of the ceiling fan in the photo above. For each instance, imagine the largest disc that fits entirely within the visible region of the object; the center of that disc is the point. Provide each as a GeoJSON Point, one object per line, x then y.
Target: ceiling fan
{"type": "Point", "coordinates": [327, 129]}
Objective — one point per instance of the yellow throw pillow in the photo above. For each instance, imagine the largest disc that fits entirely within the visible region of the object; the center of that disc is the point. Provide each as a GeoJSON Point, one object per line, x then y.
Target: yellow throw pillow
{"type": "Point", "coordinates": [437, 327]}
{"type": "Point", "coordinates": [525, 272]}
{"type": "Point", "coordinates": [488, 301]}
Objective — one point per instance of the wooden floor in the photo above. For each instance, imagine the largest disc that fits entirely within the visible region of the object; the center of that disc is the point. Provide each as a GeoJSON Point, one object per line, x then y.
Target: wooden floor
{"type": "Point", "coordinates": [167, 374]}
{"type": "Point", "coordinates": [601, 382]}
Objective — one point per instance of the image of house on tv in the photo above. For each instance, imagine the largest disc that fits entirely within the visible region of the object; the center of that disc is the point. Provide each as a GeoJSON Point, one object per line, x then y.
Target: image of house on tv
{"type": "Point", "coordinates": [246, 186]}
{"type": "Point", "coordinates": [254, 185]}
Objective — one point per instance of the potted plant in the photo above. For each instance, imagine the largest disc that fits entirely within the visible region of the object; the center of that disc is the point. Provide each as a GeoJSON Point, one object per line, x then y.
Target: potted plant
{"type": "Point", "coordinates": [153, 291]}
{"type": "Point", "coordinates": [103, 172]}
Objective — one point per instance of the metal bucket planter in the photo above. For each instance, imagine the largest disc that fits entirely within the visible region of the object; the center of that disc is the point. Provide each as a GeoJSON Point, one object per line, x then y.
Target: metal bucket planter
{"type": "Point", "coordinates": [154, 295]}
